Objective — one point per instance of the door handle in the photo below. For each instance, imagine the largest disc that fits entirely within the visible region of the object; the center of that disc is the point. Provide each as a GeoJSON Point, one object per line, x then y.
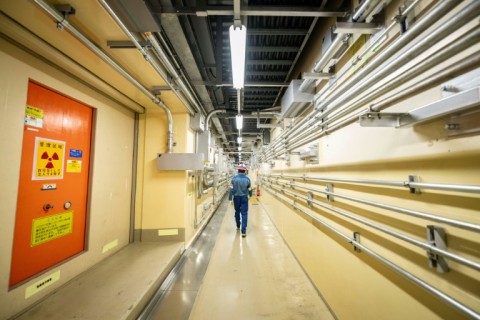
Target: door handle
{"type": "Point", "coordinates": [47, 207]}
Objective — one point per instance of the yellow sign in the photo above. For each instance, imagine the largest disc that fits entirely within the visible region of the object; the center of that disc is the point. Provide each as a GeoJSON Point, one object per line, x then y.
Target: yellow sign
{"type": "Point", "coordinates": [48, 161]}
{"type": "Point", "coordinates": [33, 116]}
{"type": "Point", "coordinates": [51, 227]}
{"type": "Point", "coordinates": [74, 166]}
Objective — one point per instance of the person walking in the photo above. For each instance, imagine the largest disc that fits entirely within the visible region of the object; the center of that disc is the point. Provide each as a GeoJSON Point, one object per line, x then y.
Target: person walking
{"type": "Point", "coordinates": [241, 190]}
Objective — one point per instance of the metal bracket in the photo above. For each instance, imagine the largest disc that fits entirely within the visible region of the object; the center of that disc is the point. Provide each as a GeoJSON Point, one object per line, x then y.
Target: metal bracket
{"type": "Point", "coordinates": [463, 124]}
{"type": "Point", "coordinates": [329, 188]}
{"type": "Point", "coordinates": [356, 238]}
{"type": "Point", "coordinates": [292, 184]}
{"type": "Point", "coordinates": [309, 198]}
{"type": "Point", "coordinates": [413, 179]}
{"type": "Point", "coordinates": [448, 105]}
{"type": "Point", "coordinates": [357, 27]}
{"type": "Point", "coordinates": [437, 237]}
{"type": "Point", "coordinates": [317, 75]}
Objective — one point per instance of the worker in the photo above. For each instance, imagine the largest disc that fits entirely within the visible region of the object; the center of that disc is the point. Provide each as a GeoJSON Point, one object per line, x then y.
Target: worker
{"type": "Point", "coordinates": [241, 191]}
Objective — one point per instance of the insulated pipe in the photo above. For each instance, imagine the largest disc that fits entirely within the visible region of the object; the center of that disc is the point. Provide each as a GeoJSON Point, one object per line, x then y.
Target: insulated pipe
{"type": "Point", "coordinates": [209, 116]}
{"type": "Point", "coordinates": [92, 46]}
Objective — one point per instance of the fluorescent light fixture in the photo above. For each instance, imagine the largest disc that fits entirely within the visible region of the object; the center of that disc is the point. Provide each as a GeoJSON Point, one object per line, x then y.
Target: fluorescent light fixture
{"type": "Point", "coordinates": [239, 148]}
{"type": "Point", "coordinates": [239, 121]}
{"type": "Point", "coordinates": [238, 40]}
{"type": "Point", "coordinates": [239, 140]}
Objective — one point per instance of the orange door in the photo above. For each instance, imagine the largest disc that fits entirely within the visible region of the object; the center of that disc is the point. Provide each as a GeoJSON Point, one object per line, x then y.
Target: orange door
{"type": "Point", "coordinates": [51, 212]}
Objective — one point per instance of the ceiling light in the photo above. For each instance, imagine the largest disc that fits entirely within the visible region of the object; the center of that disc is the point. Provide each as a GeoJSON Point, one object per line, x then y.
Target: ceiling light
{"type": "Point", "coordinates": [239, 148]}
{"type": "Point", "coordinates": [239, 140]}
{"type": "Point", "coordinates": [238, 40]}
{"type": "Point", "coordinates": [239, 121]}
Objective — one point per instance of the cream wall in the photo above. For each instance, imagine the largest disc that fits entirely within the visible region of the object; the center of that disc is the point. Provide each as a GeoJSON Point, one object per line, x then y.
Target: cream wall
{"type": "Point", "coordinates": [355, 285]}
{"type": "Point", "coordinates": [109, 209]}
{"type": "Point", "coordinates": [167, 198]}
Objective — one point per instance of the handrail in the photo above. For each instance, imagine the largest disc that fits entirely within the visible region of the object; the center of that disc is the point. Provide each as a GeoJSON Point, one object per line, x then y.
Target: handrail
{"type": "Point", "coordinates": [407, 184]}
{"type": "Point", "coordinates": [422, 284]}
{"type": "Point", "coordinates": [415, 213]}
{"type": "Point", "coordinates": [429, 247]}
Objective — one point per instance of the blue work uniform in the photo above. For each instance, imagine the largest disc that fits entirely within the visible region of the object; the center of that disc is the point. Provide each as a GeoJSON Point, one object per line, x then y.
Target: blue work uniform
{"type": "Point", "coordinates": [241, 191]}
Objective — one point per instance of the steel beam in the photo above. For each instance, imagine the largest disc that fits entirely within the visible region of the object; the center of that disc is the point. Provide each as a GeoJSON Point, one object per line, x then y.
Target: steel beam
{"type": "Point", "coordinates": [278, 11]}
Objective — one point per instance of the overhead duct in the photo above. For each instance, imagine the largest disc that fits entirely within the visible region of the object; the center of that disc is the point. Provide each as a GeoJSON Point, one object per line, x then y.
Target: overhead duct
{"type": "Point", "coordinates": [136, 15]}
{"type": "Point", "coordinates": [294, 100]}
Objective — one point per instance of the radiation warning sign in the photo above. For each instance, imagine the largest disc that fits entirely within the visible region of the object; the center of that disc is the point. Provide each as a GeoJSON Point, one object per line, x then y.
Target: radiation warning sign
{"type": "Point", "coordinates": [48, 159]}
{"type": "Point", "coordinates": [51, 227]}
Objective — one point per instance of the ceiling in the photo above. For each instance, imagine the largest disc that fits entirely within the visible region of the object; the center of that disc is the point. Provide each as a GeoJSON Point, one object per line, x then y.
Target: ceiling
{"type": "Point", "coordinates": [193, 36]}
{"type": "Point", "coordinates": [278, 31]}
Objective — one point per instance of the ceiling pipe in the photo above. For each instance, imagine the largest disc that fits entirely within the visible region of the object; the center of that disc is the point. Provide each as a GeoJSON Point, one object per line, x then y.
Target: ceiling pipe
{"type": "Point", "coordinates": [375, 66]}
{"type": "Point", "coordinates": [145, 54]}
{"type": "Point", "coordinates": [372, 67]}
{"type": "Point", "coordinates": [209, 116]}
{"type": "Point", "coordinates": [178, 79]}
{"type": "Point", "coordinates": [363, 10]}
{"type": "Point", "coordinates": [93, 47]}
{"type": "Point", "coordinates": [339, 41]}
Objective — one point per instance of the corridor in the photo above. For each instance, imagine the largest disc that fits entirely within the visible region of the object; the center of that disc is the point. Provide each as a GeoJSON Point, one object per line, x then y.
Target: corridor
{"type": "Point", "coordinates": [256, 277]}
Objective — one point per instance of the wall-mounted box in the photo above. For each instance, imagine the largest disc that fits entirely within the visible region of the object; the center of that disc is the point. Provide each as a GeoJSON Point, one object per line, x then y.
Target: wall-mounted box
{"type": "Point", "coordinates": [197, 122]}
{"type": "Point", "coordinates": [180, 161]}
{"type": "Point", "coordinates": [295, 101]}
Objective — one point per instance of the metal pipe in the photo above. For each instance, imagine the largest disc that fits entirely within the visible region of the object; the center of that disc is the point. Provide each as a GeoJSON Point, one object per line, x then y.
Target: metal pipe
{"type": "Point", "coordinates": [431, 17]}
{"type": "Point", "coordinates": [380, 88]}
{"type": "Point", "coordinates": [209, 116]}
{"type": "Point", "coordinates": [422, 284]}
{"type": "Point", "coordinates": [326, 57]}
{"type": "Point", "coordinates": [361, 11]}
{"type": "Point", "coordinates": [377, 38]}
{"type": "Point", "coordinates": [391, 183]}
{"type": "Point", "coordinates": [426, 246]}
{"type": "Point", "coordinates": [350, 88]}
{"type": "Point", "coordinates": [449, 50]}
{"type": "Point", "coordinates": [176, 77]}
{"type": "Point", "coordinates": [92, 46]}
{"type": "Point", "coordinates": [66, 24]}
{"type": "Point", "coordinates": [145, 54]}
{"type": "Point", "coordinates": [458, 68]}
{"type": "Point", "coordinates": [414, 213]}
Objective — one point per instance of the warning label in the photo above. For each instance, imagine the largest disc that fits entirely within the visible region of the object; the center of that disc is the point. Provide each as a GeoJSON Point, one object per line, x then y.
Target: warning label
{"type": "Point", "coordinates": [33, 116]}
{"type": "Point", "coordinates": [74, 166]}
{"type": "Point", "coordinates": [48, 159]}
{"type": "Point", "coordinates": [51, 227]}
